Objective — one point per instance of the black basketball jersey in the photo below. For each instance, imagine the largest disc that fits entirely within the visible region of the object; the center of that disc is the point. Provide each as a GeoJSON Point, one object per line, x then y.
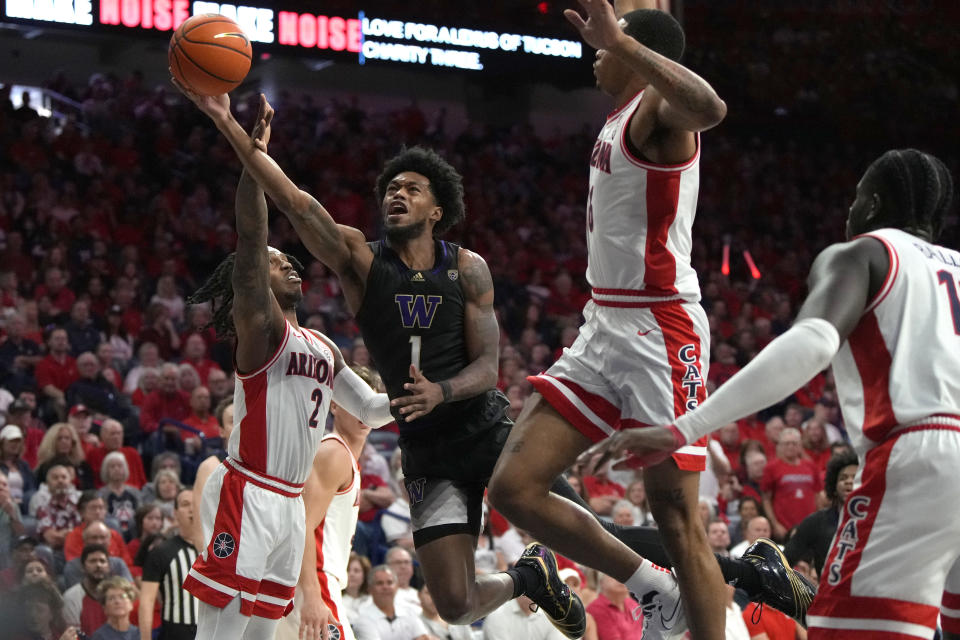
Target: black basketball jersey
{"type": "Point", "coordinates": [409, 315]}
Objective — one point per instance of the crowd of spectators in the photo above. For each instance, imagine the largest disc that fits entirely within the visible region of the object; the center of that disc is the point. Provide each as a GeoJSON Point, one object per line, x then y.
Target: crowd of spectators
{"type": "Point", "coordinates": [109, 380]}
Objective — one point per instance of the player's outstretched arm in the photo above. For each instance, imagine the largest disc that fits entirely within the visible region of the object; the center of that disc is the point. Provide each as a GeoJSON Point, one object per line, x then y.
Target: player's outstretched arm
{"type": "Point", "coordinates": [842, 280]}
{"type": "Point", "coordinates": [689, 102]}
{"type": "Point", "coordinates": [314, 225]}
{"type": "Point", "coordinates": [256, 312]}
{"type": "Point", "coordinates": [355, 395]}
{"type": "Point", "coordinates": [483, 347]}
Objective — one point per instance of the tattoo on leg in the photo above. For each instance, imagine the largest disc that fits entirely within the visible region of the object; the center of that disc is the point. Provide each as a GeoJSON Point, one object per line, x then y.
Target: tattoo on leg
{"type": "Point", "coordinates": [517, 446]}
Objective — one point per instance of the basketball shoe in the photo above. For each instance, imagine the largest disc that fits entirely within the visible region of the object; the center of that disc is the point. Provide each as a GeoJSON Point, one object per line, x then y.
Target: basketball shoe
{"type": "Point", "coordinates": [782, 588]}
{"type": "Point", "coordinates": [662, 611]}
{"type": "Point", "coordinates": [562, 606]}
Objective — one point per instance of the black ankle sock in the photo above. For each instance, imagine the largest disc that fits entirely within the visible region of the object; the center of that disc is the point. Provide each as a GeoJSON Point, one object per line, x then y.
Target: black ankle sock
{"type": "Point", "coordinates": [740, 574]}
{"type": "Point", "coordinates": [523, 579]}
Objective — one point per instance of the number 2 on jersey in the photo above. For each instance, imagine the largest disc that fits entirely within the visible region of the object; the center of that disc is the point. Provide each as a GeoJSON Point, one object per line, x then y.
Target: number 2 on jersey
{"type": "Point", "coordinates": [415, 351]}
{"type": "Point", "coordinates": [946, 278]}
{"type": "Point", "coordinates": [317, 397]}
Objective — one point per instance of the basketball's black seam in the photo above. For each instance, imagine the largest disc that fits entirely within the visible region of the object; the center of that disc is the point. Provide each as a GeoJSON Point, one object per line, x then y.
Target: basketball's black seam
{"type": "Point", "coordinates": [213, 75]}
{"type": "Point", "coordinates": [216, 44]}
{"type": "Point", "coordinates": [225, 20]}
{"type": "Point", "coordinates": [176, 58]}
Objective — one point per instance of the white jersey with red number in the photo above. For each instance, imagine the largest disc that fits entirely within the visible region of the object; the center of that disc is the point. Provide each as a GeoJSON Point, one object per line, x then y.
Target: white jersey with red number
{"type": "Point", "coordinates": [901, 364]}
{"type": "Point", "coordinates": [335, 533]}
{"type": "Point", "coordinates": [639, 220]}
{"type": "Point", "coordinates": [280, 410]}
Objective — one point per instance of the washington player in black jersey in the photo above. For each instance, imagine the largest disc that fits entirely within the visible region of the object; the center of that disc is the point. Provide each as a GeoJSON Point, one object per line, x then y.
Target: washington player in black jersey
{"type": "Point", "coordinates": [425, 308]}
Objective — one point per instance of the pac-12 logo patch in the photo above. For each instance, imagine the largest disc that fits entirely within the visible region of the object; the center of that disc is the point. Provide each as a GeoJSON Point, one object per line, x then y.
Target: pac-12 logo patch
{"type": "Point", "coordinates": [334, 631]}
{"type": "Point", "coordinates": [453, 274]}
{"type": "Point", "coordinates": [223, 545]}
{"type": "Point", "coordinates": [415, 490]}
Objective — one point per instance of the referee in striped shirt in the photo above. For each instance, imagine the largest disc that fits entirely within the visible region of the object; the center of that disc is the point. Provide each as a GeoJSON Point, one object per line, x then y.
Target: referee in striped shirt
{"type": "Point", "coordinates": [163, 572]}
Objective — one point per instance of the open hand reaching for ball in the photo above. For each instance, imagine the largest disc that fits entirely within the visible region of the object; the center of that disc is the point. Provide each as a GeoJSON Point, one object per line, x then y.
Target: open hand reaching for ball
{"type": "Point", "coordinates": [216, 107]}
{"type": "Point", "coordinates": [260, 136]}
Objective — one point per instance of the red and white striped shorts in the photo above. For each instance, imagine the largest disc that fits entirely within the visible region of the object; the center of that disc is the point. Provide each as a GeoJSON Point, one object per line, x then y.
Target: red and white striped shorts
{"type": "Point", "coordinates": [894, 564]}
{"type": "Point", "coordinates": [633, 366]}
{"type": "Point", "coordinates": [254, 526]}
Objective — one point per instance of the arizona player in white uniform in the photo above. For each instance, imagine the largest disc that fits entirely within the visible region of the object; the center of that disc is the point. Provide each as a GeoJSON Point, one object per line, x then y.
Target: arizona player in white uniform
{"type": "Point", "coordinates": [252, 512]}
{"type": "Point", "coordinates": [332, 499]}
{"type": "Point", "coordinates": [641, 356]}
{"type": "Point", "coordinates": [884, 308]}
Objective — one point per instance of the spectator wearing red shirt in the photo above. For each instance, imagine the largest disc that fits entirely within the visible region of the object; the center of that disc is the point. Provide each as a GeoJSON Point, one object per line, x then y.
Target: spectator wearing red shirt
{"type": "Point", "coordinates": [93, 508]}
{"type": "Point", "coordinates": [613, 611]}
{"type": "Point", "coordinates": [105, 355]}
{"type": "Point", "coordinates": [111, 434]}
{"type": "Point", "coordinates": [200, 417]}
{"type": "Point", "coordinates": [168, 401]}
{"type": "Point", "coordinates": [790, 484]}
{"type": "Point", "coordinates": [752, 428]}
{"type": "Point", "coordinates": [15, 259]}
{"type": "Point", "coordinates": [149, 380]}
{"type": "Point", "coordinates": [195, 354]}
{"type": "Point", "coordinates": [57, 371]}
{"type": "Point", "coordinates": [816, 446]}
{"type": "Point", "coordinates": [603, 492]}
{"type": "Point", "coordinates": [20, 413]}
{"type": "Point", "coordinates": [754, 463]}
{"type": "Point", "coordinates": [158, 329]}
{"type": "Point", "coordinates": [375, 494]}
{"type": "Point", "coordinates": [729, 438]}
{"type": "Point", "coordinates": [55, 288]}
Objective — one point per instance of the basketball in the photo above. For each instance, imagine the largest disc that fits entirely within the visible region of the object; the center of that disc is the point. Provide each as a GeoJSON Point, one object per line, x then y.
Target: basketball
{"type": "Point", "coordinates": [209, 54]}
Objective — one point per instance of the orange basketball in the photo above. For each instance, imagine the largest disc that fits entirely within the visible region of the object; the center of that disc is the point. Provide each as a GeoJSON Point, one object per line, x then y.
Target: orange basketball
{"type": "Point", "coordinates": [209, 54]}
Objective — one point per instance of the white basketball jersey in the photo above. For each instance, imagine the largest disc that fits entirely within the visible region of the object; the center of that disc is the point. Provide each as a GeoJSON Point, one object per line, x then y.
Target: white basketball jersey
{"type": "Point", "coordinates": [280, 410]}
{"type": "Point", "coordinates": [335, 533]}
{"type": "Point", "coordinates": [901, 364]}
{"type": "Point", "coordinates": [639, 220]}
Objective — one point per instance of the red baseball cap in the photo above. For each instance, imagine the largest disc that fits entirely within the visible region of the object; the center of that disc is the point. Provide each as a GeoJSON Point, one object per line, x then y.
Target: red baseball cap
{"type": "Point", "coordinates": [79, 408]}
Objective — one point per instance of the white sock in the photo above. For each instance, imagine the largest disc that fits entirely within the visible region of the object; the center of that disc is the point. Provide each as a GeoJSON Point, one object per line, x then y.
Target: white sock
{"type": "Point", "coordinates": [648, 577]}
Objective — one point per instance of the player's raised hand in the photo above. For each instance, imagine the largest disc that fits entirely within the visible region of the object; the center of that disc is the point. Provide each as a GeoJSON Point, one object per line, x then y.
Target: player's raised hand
{"type": "Point", "coordinates": [424, 396]}
{"type": "Point", "coordinates": [217, 107]}
{"type": "Point", "coordinates": [315, 620]}
{"type": "Point", "coordinates": [643, 447]}
{"type": "Point", "coordinates": [600, 30]}
{"type": "Point", "coordinates": [261, 129]}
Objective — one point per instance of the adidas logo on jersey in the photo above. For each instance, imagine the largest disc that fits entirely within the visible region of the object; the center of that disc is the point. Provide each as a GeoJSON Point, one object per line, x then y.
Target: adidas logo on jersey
{"type": "Point", "coordinates": [417, 277]}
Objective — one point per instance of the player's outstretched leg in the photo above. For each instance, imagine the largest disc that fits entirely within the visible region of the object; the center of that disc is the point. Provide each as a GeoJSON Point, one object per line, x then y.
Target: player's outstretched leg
{"type": "Point", "coordinates": [765, 577]}
{"type": "Point", "coordinates": [540, 447]}
{"type": "Point", "coordinates": [674, 498]}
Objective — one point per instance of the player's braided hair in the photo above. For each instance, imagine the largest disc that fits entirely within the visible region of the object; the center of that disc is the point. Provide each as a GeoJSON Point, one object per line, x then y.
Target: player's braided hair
{"type": "Point", "coordinates": [218, 290]}
{"type": "Point", "coordinates": [919, 186]}
{"type": "Point", "coordinates": [446, 184]}
{"type": "Point", "coordinates": [656, 30]}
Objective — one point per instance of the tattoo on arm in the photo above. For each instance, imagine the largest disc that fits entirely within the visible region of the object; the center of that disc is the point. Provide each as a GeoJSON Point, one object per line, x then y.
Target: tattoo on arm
{"type": "Point", "coordinates": [679, 86]}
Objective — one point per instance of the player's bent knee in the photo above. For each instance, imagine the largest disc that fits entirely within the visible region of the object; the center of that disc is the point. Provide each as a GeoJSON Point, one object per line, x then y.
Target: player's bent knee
{"type": "Point", "coordinates": [454, 609]}
{"type": "Point", "coordinates": [508, 497]}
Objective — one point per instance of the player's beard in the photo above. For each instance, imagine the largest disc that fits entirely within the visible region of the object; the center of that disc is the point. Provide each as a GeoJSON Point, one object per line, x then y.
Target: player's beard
{"type": "Point", "coordinates": [405, 233]}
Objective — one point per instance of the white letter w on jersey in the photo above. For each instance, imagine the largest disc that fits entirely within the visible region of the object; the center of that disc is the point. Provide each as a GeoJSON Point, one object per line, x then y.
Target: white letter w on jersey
{"type": "Point", "coordinates": [417, 311]}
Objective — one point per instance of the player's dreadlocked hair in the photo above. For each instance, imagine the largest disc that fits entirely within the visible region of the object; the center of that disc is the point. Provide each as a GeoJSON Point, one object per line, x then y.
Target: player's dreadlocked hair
{"type": "Point", "coordinates": [218, 290]}
{"type": "Point", "coordinates": [656, 30]}
{"type": "Point", "coordinates": [446, 184]}
{"type": "Point", "coordinates": [919, 187]}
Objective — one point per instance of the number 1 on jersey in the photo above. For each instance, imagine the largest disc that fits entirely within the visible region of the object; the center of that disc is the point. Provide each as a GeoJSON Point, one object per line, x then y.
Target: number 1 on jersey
{"type": "Point", "coordinates": [946, 278]}
{"type": "Point", "coordinates": [415, 351]}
